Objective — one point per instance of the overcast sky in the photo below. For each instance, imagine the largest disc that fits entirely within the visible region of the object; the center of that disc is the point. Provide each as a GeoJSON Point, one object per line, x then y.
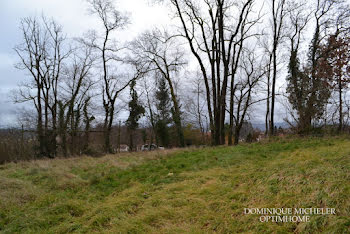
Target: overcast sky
{"type": "Point", "coordinates": [75, 19]}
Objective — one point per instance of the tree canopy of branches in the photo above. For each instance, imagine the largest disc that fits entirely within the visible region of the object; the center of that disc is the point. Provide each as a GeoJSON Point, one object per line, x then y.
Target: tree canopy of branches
{"type": "Point", "coordinates": [42, 54]}
{"type": "Point", "coordinates": [76, 94]}
{"type": "Point", "coordinates": [108, 49]}
{"type": "Point", "coordinates": [277, 22]}
{"type": "Point", "coordinates": [310, 86]}
{"type": "Point", "coordinates": [215, 37]}
{"type": "Point", "coordinates": [236, 53]}
{"type": "Point", "coordinates": [156, 51]}
{"type": "Point", "coordinates": [339, 60]}
{"type": "Point", "coordinates": [250, 73]}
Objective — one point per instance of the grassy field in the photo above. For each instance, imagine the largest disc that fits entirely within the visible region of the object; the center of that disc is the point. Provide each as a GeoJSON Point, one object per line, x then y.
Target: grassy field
{"type": "Point", "coordinates": [191, 190]}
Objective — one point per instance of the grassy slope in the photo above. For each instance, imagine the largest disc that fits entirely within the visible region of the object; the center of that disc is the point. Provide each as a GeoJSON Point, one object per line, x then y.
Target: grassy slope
{"type": "Point", "coordinates": [182, 191]}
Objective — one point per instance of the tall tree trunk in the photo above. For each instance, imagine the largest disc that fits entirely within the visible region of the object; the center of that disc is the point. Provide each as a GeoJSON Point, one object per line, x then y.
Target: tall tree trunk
{"type": "Point", "coordinates": [109, 130]}
{"type": "Point", "coordinates": [54, 130]}
{"type": "Point", "coordinates": [234, 66]}
{"type": "Point", "coordinates": [199, 113]}
{"type": "Point", "coordinates": [131, 141]}
{"type": "Point", "coordinates": [267, 122]}
{"type": "Point", "coordinates": [237, 130]}
{"type": "Point", "coordinates": [225, 61]}
{"type": "Point", "coordinates": [340, 128]}
{"type": "Point", "coordinates": [47, 136]}
{"type": "Point", "coordinates": [54, 122]}
{"type": "Point", "coordinates": [273, 93]}
{"type": "Point", "coordinates": [40, 123]}
{"type": "Point", "coordinates": [218, 99]}
{"type": "Point", "coordinates": [72, 132]}
{"type": "Point", "coordinates": [154, 131]}
{"type": "Point", "coordinates": [176, 115]}
{"type": "Point", "coordinates": [230, 132]}
{"type": "Point", "coordinates": [62, 127]}
{"type": "Point", "coordinates": [278, 13]}
{"type": "Point", "coordinates": [87, 126]}
{"type": "Point", "coordinates": [105, 128]}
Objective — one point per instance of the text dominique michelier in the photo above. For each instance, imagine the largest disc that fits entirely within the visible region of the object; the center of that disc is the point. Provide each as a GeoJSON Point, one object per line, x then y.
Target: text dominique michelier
{"type": "Point", "coordinates": [290, 211]}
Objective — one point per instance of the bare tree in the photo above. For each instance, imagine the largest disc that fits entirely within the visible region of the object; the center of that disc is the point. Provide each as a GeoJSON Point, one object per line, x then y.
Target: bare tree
{"type": "Point", "coordinates": [88, 118]}
{"type": "Point", "coordinates": [149, 111]}
{"type": "Point", "coordinates": [213, 35]}
{"type": "Point", "coordinates": [157, 51]}
{"type": "Point", "coordinates": [54, 63]}
{"type": "Point", "coordinates": [265, 44]}
{"type": "Point", "coordinates": [278, 15]}
{"type": "Point", "coordinates": [41, 54]}
{"type": "Point", "coordinates": [31, 53]}
{"type": "Point", "coordinates": [339, 58]}
{"type": "Point", "coordinates": [195, 105]}
{"type": "Point", "coordinates": [338, 55]}
{"type": "Point", "coordinates": [113, 84]}
{"type": "Point", "coordinates": [77, 94]}
{"type": "Point", "coordinates": [251, 72]}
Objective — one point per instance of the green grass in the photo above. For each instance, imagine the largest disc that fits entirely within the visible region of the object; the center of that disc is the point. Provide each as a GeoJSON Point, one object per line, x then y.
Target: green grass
{"type": "Point", "coordinates": [191, 190]}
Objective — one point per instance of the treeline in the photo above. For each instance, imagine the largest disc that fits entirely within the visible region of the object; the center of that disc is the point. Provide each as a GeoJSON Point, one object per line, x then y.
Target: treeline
{"type": "Point", "coordinates": [242, 51]}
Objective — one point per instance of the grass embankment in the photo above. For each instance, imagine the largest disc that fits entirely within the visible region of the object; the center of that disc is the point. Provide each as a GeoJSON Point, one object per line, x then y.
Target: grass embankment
{"type": "Point", "coordinates": [193, 190]}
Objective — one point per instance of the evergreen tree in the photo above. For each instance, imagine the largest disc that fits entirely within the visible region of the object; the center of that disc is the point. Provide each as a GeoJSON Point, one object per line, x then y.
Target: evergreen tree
{"type": "Point", "coordinates": [163, 105]}
{"type": "Point", "coordinates": [164, 108]}
{"type": "Point", "coordinates": [136, 111]}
